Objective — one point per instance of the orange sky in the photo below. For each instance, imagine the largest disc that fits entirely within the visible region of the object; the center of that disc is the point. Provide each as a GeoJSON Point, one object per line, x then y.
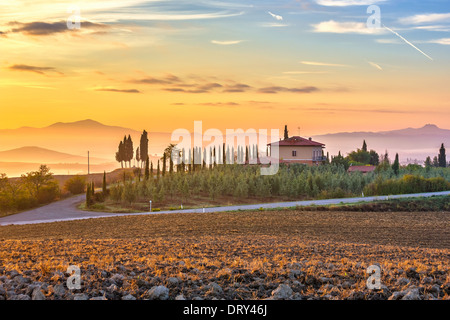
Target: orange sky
{"type": "Point", "coordinates": [229, 67]}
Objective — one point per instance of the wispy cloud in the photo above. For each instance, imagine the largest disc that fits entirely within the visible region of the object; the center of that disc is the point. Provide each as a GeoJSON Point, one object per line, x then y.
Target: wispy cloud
{"type": "Point", "coordinates": [226, 42]}
{"type": "Point", "coordinates": [169, 79]}
{"type": "Point", "coordinates": [133, 15]}
{"type": "Point", "coordinates": [438, 28]}
{"type": "Point", "coordinates": [118, 90]}
{"type": "Point", "coordinates": [34, 69]}
{"type": "Point", "coordinates": [325, 64]}
{"type": "Point", "coordinates": [39, 28]}
{"type": "Point", "coordinates": [332, 26]}
{"type": "Point", "coordinates": [305, 72]}
{"type": "Point", "coordinates": [375, 65]}
{"type": "Point", "coordinates": [425, 18]}
{"type": "Point", "coordinates": [443, 41]}
{"type": "Point", "coordinates": [197, 85]}
{"type": "Point", "coordinates": [389, 41]}
{"type": "Point", "coordinates": [274, 25]}
{"type": "Point", "coordinates": [276, 89]}
{"type": "Point", "coordinates": [357, 110]}
{"type": "Point", "coordinates": [346, 3]}
{"type": "Point", "coordinates": [238, 87]}
{"type": "Point", "coordinates": [220, 104]}
{"type": "Point", "coordinates": [276, 16]}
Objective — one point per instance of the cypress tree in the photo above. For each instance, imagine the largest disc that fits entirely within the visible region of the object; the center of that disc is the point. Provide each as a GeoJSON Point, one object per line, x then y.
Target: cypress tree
{"type": "Point", "coordinates": [386, 160]}
{"type": "Point", "coordinates": [224, 154]}
{"type": "Point", "coordinates": [442, 157]}
{"type": "Point", "coordinates": [171, 164]}
{"type": "Point", "coordinates": [428, 163]}
{"type": "Point", "coordinates": [190, 160]}
{"type": "Point", "coordinates": [204, 159]}
{"type": "Point", "coordinates": [435, 162]}
{"type": "Point", "coordinates": [143, 146]}
{"type": "Point", "coordinates": [286, 133]}
{"type": "Point", "coordinates": [129, 150]}
{"type": "Point", "coordinates": [211, 160]}
{"type": "Point", "coordinates": [396, 165]}
{"type": "Point", "coordinates": [247, 156]}
{"type": "Point", "coordinates": [158, 171]}
{"type": "Point", "coordinates": [364, 147]}
{"type": "Point", "coordinates": [164, 164]}
{"type": "Point", "coordinates": [151, 169]}
{"type": "Point", "coordinates": [119, 154]}
{"type": "Point", "coordinates": [194, 157]}
{"type": "Point", "coordinates": [138, 157]}
{"type": "Point", "coordinates": [147, 169]}
{"type": "Point", "coordinates": [232, 155]}
{"type": "Point", "coordinates": [104, 183]}
{"type": "Point", "coordinates": [123, 152]}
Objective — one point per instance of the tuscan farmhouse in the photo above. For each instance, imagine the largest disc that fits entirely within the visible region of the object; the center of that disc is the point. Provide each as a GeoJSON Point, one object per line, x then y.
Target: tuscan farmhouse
{"type": "Point", "coordinates": [298, 150]}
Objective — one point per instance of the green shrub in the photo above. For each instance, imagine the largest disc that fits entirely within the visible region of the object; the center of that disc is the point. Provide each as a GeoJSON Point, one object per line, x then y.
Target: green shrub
{"type": "Point", "coordinates": [99, 196]}
{"type": "Point", "coordinates": [76, 185]}
{"type": "Point", "coordinates": [116, 193]}
{"type": "Point", "coordinates": [407, 184]}
{"type": "Point", "coordinates": [48, 193]}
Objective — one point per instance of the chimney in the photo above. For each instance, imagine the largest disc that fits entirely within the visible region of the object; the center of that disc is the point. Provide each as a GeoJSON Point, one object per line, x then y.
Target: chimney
{"type": "Point", "coordinates": [310, 139]}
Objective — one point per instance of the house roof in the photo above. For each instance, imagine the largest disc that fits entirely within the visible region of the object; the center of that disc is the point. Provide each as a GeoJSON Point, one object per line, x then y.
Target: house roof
{"type": "Point", "coordinates": [297, 141]}
{"type": "Point", "coordinates": [363, 169]}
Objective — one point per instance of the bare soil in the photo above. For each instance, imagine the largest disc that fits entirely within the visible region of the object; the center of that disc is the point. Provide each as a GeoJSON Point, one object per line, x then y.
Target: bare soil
{"type": "Point", "coordinates": [286, 254]}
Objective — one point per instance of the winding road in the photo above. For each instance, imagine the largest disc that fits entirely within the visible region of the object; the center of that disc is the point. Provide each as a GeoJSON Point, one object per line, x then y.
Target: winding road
{"type": "Point", "coordinates": [66, 210]}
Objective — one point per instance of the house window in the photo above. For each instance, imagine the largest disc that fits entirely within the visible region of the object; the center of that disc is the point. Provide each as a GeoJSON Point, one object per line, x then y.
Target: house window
{"type": "Point", "coordinates": [294, 153]}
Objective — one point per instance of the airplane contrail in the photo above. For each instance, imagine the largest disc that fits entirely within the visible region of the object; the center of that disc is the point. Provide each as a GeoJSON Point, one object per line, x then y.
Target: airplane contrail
{"type": "Point", "coordinates": [390, 30]}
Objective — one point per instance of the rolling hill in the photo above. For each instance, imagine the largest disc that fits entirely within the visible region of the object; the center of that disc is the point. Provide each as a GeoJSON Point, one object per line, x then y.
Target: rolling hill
{"type": "Point", "coordinates": [41, 155]}
{"type": "Point", "coordinates": [79, 137]}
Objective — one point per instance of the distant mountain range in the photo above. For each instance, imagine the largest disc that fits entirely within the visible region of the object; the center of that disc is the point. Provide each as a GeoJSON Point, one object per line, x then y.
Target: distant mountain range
{"type": "Point", "coordinates": [41, 155]}
{"type": "Point", "coordinates": [77, 138]}
{"type": "Point", "coordinates": [409, 143]}
{"type": "Point", "coordinates": [74, 139]}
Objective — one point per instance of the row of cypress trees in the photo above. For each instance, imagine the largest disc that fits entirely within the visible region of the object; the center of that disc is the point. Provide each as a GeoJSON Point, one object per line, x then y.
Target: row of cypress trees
{"type": "Point", "coordinates": [126, 153]}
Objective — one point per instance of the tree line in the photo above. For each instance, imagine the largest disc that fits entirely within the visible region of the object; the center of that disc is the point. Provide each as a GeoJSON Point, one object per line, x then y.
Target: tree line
{"type": "Point", "coordinates": [438, 161]}
{"type": "Point", "coordinates": [293, 181]}
{"type": "Point", "coordinates": [362, 157]}
{"type": "Point", "coordinates": [30, 190]}
{"type": "Point", "coordinates": [187, 160]}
